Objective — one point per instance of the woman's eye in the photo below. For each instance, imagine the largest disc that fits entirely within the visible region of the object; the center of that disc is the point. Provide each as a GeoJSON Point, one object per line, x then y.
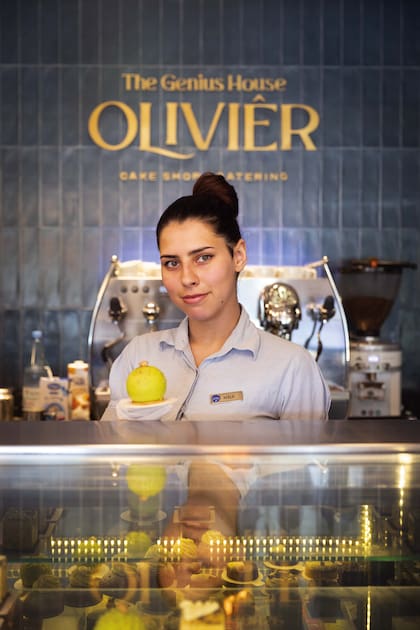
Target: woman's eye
{"type": "Point", "coordinates": [204, 258]}
{"type": "Point", "coordinates": [170, 264]}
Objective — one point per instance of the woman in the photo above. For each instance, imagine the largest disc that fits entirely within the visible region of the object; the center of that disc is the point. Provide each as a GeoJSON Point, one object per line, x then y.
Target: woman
{"type": "Point", "coordinates": [217, 363]}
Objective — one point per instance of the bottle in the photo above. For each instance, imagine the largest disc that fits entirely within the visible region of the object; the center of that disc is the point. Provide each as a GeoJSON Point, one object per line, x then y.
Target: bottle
{"type": "Point", "coordinates": [31, 395]}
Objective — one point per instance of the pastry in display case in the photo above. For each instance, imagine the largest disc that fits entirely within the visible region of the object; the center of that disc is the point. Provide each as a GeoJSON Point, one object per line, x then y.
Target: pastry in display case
{"type": "Point", "coordinates": [178, 526]}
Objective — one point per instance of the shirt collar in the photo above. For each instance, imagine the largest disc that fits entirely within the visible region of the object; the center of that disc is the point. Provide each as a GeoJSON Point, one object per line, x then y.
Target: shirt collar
{"type": "Point", "coordinates": [244, 337]}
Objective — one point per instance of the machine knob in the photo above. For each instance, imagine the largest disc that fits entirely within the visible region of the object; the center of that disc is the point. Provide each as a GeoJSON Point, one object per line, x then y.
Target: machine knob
{"type": "Point", "coordinates": [117, 310]}
{"type": "Point", "coordinates": [151, 312]}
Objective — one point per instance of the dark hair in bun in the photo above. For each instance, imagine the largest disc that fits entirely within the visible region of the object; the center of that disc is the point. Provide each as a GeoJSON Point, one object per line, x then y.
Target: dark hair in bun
{"type": "Point", "coordinates": [213, 184]}
{"type": "Point", "coordinates": [213, 201]}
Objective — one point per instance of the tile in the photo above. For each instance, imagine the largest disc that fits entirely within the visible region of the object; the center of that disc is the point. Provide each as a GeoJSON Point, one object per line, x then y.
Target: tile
{"type": "Point", "coordinates": [69, 105]}
{"type": "Point", "coordinates": [149, 250]}
{"type": "Point", "coordinates": [351, 20]}
{"type": "Point", "coordinates": [170, 31]}
{"type": "Point", "coordinates": [111, 189]}
{"type": "Point", "coordinates": [332, 108]}
{"type": "Point", "coordinates": [91, 265]}
{"type": "Point", "coordinates": [330, 188]}
{"type": "Point", "coordinates": [311, 33]}
{"type": "Point", "coordinates": [9, 269]}
{"type": "Point", "coordinates": [410, 189]}
{"type": "Point", "coordinates": [11, 367]}
{"type": "Point", "coordinates": [211, 23]}
{"type": "Point", "coordinates": [71, 269]}
{"type": "Point", "coordinates": [90, 187]}
{"type": "Point", "coordinates": [331, 40]}
{"type": "Point", "coordinates": [253, 241]}
{"type": "Point", "coordinates": [70, 186]}
{"type": "Point", "coordinates": [9, 106]}
{"type": "Point", "coordinates": [49, 99]}
{"type": "Point", "coordinates": [68, 39]}
{"type": "Point", "coordinates": [272, 247]}
{"type": "Point", "coordinates": [391, 109]}
{"type": "Point", "coordinates": [370, 187]}
{"type": "Point", "coordinates": [232, 33]}
{"type": "Point", "coordinates": [131, 241]}
{"type": "Point", "coordinates": [71, 339]}
{"type": "Point", "coordinates": [351, 187]}
{"type": "Point", "coordinates": [392, 33]}
{"type": "Point", "coordinates": [9, 191]}
{"type": "Point", "coordinates": [30, 270]}
{"type": "Point", "coordinates": [292, 33]}
{"type": "Point", "coordinates": [30, 100]}
{"type": "Point", "coordinates": [151, 33]}
{"type": "Point", "coordinates": [292, 191]}
{"type": "Point", "coordinates": [110, 246]}
{"type": "Point", "coordinates": [311, 194]}
{"type": "Point", "coordinates": [370, 243]}
{"type": "Point", "coordinates": [371, 32]}
{"type": "Point", "coordinates": [48, 24]}
{"type": "Point", "coordinates": [410, 100]}
{"type": "Point", "coordinates": [371, 107]}
{"type": "Point", "coordinates": [252, 34]}
{"type": "Point", "coordinates": [191, 32]}
{"type": "Point", "coordinates": [50, 262]}
{"type": "Point", "coordinates": [89, 37]}
{"type": "Point", "coordinates": [130, 43]}
{"type": "Point", "coordinates": [52, 339]}
{"type": "Point", "coordinates": [351, 108]}
{"type": "Point", "coordinates": [410, 41]}
{"type": "Point", "coordinates": [89, 80]}
{"type": "Point", "coordinates": [9, 29]}
{"type": "Point", "coordinates": [390, 193]}
{"type": "Point", "coordinates": [49, 186]}
{"type": "Point", "coordinates": [30, 184]}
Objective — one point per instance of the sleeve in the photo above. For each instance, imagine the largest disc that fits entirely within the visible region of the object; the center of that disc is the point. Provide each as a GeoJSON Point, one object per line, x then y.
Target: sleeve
{"type": "Point", "coordinates": [121, 368]}
{"type": "Point", "coordinates": [306, 395]}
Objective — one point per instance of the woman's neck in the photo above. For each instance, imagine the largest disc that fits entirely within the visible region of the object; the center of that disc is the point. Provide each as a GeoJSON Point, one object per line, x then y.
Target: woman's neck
{"type": "Point", "coordinates": [207, 337]}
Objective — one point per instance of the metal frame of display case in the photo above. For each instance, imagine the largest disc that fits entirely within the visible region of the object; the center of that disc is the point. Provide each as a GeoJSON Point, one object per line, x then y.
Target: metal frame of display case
{"type": "Point", "coordinates": [319, 492]}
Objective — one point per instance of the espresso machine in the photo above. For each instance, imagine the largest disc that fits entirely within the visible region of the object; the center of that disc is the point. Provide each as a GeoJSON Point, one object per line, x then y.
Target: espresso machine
{"type": "Point", "coordinates": [369, 288]}
{"type": "Point", "coordinates": [298, 303]}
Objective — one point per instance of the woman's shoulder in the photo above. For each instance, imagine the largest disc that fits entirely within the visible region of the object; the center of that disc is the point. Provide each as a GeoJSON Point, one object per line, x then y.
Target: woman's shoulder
{"type": "Point", "coordinates": [273, 344]}
{"type": "Point", "coordinates": [151, 339]}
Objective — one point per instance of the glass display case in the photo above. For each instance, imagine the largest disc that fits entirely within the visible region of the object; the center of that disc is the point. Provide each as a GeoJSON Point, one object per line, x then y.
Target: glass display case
{"type": "Point", "coordinates": [257, 525]}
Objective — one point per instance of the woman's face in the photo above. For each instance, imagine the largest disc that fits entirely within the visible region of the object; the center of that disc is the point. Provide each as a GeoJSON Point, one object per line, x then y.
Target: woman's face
{"type": "Point", "coordinates": [198, 270]}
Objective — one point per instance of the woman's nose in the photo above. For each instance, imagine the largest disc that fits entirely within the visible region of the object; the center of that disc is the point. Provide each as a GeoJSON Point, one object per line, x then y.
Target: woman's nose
{"type": "Point", "coordinates": [189, 277]}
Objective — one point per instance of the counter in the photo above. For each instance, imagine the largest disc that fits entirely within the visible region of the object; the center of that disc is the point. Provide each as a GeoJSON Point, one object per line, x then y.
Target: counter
{"type": "Point", "coordinates": [265, 433]}
{"type": "Point", "coordinates": [272, 524]}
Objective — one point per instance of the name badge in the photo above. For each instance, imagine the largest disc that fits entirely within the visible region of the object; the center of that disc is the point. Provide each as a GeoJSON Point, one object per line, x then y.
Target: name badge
{"type": "Point", "coordinates": [215, 399]}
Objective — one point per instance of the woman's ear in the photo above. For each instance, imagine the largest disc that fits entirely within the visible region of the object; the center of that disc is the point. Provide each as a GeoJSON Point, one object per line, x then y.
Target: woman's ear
{"type": "Point", "coordinates": [239, 255]}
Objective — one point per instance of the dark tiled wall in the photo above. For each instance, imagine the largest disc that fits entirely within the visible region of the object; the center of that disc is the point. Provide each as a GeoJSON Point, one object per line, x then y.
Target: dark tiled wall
{"type": "Point", "coordinates": [63, 212]}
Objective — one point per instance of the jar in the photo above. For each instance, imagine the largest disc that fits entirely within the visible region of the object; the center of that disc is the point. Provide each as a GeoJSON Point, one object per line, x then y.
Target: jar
{"type": "Point", "coordinates": [6, 404]}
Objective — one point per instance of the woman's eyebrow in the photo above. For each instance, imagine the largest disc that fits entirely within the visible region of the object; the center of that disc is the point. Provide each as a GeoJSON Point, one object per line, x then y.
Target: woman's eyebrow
{"type": "Point", "coordinates": [193, 252]}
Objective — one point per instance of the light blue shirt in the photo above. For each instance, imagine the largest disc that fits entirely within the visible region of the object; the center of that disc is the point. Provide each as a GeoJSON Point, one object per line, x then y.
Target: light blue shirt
{"type": "Point", "coordinates": [254, 375]}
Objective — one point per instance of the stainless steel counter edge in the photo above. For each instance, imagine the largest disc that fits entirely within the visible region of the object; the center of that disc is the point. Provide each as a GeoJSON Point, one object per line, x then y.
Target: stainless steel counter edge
{"type": "Point", "coordinates": [256, 436]}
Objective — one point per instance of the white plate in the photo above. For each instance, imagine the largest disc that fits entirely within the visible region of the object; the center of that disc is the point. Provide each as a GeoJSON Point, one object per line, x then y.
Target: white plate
{"type": "Point", "coordinates": [257, 582]}
{"type": "Point", "coordinates": [127, 410]}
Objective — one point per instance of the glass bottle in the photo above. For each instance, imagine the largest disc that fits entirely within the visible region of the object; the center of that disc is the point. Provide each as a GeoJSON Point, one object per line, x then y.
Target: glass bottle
{"type": "Point", "coordinates": [31, 394]}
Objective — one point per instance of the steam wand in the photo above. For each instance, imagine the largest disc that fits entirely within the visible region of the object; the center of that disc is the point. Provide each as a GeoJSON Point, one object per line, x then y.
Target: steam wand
{"type": "Point", "coordinates": [320, 314]}
{"type": "Point", "coordinates": [117, 311]}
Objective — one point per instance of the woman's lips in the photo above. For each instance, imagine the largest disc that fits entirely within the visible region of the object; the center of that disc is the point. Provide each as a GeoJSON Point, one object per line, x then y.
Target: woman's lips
{"type": "Point", "coordinates": [194, 299]}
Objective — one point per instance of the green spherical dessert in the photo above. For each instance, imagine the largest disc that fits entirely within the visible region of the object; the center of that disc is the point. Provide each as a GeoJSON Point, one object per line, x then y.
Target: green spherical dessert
{"type": "Point", "coordinates": [83, 591]}
{"type": "Point", "coordinates": [45, 598]}
{"type": "Point", "coordinates": [115, 619]}
{"type": "Point", "coordinates": [121, 582]}
{"type": "Point", "coordinates": [143, 509]}
{"type": "Point", "coordinates": [31, 571]}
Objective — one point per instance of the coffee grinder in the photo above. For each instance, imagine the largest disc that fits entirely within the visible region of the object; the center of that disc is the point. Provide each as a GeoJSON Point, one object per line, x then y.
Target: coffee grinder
{"type": "Point", "coordinates": [368, 291]}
